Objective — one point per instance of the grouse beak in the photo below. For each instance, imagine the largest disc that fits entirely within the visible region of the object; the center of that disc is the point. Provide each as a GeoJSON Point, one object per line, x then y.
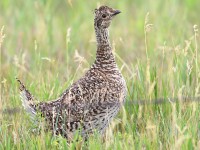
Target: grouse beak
{"type": "Point", "coordinates": [116, 12]}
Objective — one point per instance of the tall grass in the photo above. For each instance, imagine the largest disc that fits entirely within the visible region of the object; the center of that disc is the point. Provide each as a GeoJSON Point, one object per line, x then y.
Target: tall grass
{"type": "Point", "coordinates": [50, 44]}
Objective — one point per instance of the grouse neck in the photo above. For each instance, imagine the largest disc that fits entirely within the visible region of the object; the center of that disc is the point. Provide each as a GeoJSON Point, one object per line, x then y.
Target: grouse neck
{"type": "Point", "coordinates": [104, 56]}
{"type": "Point", "coordinates": [102, 36]}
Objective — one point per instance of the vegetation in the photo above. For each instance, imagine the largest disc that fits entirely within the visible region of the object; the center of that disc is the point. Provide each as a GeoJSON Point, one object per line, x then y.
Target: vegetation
{"type": "Point", "coordinates": [50, 44]}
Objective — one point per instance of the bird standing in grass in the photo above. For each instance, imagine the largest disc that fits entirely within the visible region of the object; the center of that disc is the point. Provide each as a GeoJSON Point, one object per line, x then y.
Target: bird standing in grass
{"type": "Point", "coordinates": [90, 103]}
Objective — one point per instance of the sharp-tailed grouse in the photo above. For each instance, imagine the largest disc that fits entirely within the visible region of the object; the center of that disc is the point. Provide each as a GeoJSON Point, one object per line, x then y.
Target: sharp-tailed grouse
{"type": "Point", "coordinates": [90, 103]}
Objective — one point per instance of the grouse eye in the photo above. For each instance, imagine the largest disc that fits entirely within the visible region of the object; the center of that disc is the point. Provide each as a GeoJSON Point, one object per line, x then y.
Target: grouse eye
{"type": "Point", "coordinates": [104, 16]}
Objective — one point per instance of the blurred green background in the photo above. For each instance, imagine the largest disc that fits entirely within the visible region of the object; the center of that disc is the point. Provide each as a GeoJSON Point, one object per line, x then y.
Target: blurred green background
{"type": "Point", "coordinates": [50, 44]}
{"type": "Point", "coordinates": [36, 46]}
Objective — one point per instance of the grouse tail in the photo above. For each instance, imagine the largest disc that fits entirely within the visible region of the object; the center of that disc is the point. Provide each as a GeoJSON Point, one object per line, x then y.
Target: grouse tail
{"type": "Point", "coordinates": [27, 100]}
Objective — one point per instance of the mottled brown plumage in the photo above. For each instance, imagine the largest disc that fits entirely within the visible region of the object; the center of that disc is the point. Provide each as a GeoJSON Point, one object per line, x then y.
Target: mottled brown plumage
{"type": "Point", "coordinates": [89, 104]}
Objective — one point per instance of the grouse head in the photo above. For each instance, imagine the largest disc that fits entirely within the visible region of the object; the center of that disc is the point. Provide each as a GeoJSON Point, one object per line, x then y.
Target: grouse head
{"type": "Point", "coordinates": [104, 15]}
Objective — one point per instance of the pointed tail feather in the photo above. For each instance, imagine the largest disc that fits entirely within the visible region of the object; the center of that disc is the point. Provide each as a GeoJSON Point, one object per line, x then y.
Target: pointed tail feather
{"type": "Point", "coordinates": [27, 99]}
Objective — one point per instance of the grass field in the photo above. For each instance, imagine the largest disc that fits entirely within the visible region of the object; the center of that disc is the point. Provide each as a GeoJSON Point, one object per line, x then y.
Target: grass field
{"type": "Point", "coordinates": [50, 44]}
